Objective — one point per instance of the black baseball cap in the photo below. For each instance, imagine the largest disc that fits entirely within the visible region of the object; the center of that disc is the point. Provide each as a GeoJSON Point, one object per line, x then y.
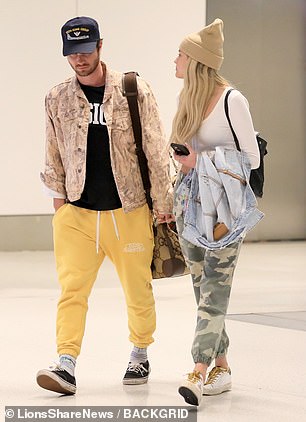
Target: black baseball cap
{"type": "Point", "coordinates": [80, 35]}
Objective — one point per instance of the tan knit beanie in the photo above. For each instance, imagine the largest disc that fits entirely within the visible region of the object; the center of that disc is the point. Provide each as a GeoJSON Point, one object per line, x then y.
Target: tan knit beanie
{"type": "Point", "coordinates": [206, 46]}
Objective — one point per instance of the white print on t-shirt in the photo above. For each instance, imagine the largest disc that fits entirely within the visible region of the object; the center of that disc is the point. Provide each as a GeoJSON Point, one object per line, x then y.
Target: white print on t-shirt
{"type": "Point", "coordinates": [96, 114]}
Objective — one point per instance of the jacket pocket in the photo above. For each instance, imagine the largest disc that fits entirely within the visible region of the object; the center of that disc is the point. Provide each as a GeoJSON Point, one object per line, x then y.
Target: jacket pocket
{"type": "Point", "coordinates": [121, 121]}
{"type": "Point", "coordinates": [68, 114]}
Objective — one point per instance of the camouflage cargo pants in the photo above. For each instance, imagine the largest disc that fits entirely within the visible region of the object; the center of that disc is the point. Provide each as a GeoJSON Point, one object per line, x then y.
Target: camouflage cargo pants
{"type": "Point", "coordinates": [212, 275]}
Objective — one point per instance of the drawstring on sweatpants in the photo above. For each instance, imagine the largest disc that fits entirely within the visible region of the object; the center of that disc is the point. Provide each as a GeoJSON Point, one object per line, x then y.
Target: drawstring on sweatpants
{"type": "Point", "coordinates": [98, 228]}
{"type": "Point", "coordinates": [98, 231]}
{"type": "Point", "coordinates": [115, 224]}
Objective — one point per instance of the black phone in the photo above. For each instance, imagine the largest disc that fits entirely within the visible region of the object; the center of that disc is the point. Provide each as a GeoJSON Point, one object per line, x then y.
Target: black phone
{"type": "Point", "coordinates": [180, 149]}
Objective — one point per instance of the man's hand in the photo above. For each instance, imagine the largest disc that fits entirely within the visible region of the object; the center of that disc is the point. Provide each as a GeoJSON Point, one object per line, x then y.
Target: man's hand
{"type": "Point", "coordinates": [58, 202]}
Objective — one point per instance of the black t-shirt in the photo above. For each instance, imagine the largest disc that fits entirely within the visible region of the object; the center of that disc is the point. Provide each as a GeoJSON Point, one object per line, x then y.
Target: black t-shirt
{"type": "Point", "coordinates": [100, 192]}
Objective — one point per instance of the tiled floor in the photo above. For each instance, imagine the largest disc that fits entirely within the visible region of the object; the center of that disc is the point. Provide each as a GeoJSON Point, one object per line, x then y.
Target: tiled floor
{"type": "Point", "coordinates": [266, 324]}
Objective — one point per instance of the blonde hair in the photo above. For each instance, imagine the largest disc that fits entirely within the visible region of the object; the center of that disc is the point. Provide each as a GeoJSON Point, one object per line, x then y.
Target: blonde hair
{"type": "Point", "coordinates": [200, 82]}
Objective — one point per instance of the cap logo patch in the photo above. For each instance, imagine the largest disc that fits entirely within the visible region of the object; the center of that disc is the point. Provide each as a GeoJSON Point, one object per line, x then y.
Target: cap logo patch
{"type": "Point", "coordinates": [74, 34]}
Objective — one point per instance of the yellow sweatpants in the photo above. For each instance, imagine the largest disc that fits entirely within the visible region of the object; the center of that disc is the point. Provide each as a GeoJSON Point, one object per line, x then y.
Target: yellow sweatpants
{"type": "Point", "coordinates": [127, 239]}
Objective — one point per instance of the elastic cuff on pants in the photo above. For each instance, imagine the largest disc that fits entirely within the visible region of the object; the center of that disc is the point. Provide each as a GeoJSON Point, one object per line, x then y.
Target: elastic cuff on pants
{"type": "Point", "coordinates": [202, 359]}
{"type": "Point", "coordinates": [207, 359]}
{"type": "Point", "coordinates": [142, 345]}
{"type": "Point", "coordinates": [221, 354]}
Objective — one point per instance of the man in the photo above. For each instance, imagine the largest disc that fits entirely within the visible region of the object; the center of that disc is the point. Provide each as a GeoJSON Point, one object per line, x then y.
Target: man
{"type": "Point", "coordinates": [92, 173]}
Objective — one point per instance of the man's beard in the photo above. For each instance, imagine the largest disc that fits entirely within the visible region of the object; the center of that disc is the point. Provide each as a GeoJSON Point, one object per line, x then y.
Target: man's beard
{"type": "Point", "coordinates": [89, 70]}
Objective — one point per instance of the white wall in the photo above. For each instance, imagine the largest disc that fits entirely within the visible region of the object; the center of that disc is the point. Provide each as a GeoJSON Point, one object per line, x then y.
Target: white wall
{"type": "Point", "coordinates": [138, 35]}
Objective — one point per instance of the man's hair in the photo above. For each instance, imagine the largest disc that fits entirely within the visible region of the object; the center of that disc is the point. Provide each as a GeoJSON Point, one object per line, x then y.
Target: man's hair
{"type": "Point", "coordinates": [200, 82]}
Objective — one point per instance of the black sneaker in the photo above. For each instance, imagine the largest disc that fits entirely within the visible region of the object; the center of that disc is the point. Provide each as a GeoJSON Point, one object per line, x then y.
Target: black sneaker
{"type": "Point", "coordinates": [57, 379]}
{"type": "Point", "coordinates": [136, 373]}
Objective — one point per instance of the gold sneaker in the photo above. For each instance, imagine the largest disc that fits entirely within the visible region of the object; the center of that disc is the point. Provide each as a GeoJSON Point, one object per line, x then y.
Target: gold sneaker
{"type": "Point", "coordinates": [191, 388]}
{"type": "Point", "coordinates": [218, 381]}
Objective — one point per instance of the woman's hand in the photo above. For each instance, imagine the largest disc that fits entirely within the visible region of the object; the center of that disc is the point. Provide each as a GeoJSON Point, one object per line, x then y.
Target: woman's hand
{"type": "Point", "coordinates": [163, 218]}
{"type": "Point", "coordinates": [188, 161]}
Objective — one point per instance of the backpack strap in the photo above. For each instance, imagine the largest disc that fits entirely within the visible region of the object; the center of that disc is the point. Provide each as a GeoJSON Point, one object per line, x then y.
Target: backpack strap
{"type": "Point", "coordinates": [229, 120]}
{"type": "Point", "coordinates": [129, 88]}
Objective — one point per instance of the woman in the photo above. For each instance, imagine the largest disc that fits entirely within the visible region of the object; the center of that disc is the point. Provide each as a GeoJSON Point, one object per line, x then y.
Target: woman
{"type": "Point", "coordinates": [200, 124]}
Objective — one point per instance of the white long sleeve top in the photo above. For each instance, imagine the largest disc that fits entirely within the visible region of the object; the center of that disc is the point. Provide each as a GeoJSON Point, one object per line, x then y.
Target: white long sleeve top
{"type": "Point", "coordinates": [215, 130]}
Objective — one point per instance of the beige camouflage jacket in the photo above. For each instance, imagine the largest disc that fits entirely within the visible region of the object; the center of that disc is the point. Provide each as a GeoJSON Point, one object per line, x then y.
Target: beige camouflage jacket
{"type": "Point", "coordinates": [67, 117]}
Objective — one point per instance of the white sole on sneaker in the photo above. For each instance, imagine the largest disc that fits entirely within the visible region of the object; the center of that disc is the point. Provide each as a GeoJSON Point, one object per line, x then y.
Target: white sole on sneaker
{"type": "Point", "coordinates": [215, 391]}
{"type": "Point", "coordinates": [135, 381]}
{"type": "Point", "coordinates": [52, 382]}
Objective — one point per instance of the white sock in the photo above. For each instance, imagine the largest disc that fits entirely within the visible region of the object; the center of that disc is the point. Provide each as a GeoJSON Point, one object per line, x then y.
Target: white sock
{"type": "Point", "coordinates": [138, 355]}
{"type": "Point", "coordinates": [68, 363]}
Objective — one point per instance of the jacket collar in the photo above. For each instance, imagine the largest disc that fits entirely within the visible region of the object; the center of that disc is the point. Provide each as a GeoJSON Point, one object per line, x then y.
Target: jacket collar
{"type": "Point", "coordinates": [109, 83]}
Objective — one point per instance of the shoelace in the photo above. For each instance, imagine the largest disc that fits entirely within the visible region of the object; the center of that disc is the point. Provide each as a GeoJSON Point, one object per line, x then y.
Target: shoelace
{"type": "Point", "coordinates": [137, 367]}
{"type": "Point", "coordinates": [194, 376]}
{"type": "Point", "coordinates": [55, 366]}
{"type": "Point", "coordinates": [214, 375]}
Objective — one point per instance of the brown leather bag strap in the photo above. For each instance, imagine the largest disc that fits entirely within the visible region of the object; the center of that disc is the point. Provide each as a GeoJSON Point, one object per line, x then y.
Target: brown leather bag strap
{"type": "Point", "coordinates": [129, 87]}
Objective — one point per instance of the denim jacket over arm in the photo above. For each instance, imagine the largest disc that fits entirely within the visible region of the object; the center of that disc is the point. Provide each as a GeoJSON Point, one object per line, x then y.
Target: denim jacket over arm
{"type": "Point", "coordinates": [217, 190]}
{"type": "Point", "coordinates": [67, 117]}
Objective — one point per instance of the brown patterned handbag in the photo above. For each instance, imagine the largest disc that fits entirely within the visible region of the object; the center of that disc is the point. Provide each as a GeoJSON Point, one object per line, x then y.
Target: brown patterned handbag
{"type": "Point", "coordinates": [168, 260]}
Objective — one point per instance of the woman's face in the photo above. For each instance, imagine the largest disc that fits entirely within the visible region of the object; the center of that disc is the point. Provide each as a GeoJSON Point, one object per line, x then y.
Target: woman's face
{"type": "Point", "coordinates": [181, 64]}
